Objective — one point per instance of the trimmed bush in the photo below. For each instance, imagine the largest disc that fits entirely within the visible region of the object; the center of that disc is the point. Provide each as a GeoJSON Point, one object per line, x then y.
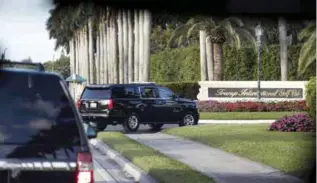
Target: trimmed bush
{"type": "Point", "coordinates": [186, 89]}
{"type": "Point", "coordinates": [295, 123]}
{"type": "Point", "coordinates": [311, 98]}
{"type": "Point", "coordinates": [214, 106]}
{"type": "Point", "coordinates": [182, 64]}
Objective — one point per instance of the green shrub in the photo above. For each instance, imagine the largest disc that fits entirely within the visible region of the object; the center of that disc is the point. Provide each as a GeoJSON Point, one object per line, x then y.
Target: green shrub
{"type": "Point", "coordinates": [311, 97]}
{"type": "Point", "coordinates": [186, 89]}
{"type": "Point", "coordinates": [182, 64]}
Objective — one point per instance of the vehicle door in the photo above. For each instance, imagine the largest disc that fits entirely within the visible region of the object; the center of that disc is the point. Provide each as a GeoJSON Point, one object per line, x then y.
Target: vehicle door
{"type": "Point", "coordinates": [150, 107]}
{"type": "Point", "coordinates": [40, 136]}
{"type": "Point", "coordinates": [170, 106]}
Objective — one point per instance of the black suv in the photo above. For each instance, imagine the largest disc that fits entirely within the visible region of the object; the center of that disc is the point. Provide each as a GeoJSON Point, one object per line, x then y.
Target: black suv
{"type": "Point", "coordinates": [42, 138]}
{"type": "Point", "coordinates": [135, 104]}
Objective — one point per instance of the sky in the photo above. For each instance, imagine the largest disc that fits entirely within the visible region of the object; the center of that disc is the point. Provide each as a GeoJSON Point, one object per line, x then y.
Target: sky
{"type": "Point", "coordinates": [23, 30]}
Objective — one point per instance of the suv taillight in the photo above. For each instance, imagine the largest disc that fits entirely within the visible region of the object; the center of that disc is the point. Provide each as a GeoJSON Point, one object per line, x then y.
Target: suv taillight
{"type": "Point", "coordinates": [85, 169]}
{"type": "Point", "coordinates": [110, 104]}
{"type": "Point", "coordinates": [78, 103]}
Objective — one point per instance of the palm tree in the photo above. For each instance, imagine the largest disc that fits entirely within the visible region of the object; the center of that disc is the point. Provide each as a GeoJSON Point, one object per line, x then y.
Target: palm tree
{"type": "Point", "coordinates": [147, 44]}
{"type": "Point", "coordinates": [141, 45]}
{"type": "Point", "coordinates": [283, 47]}
{"type": "Point", "coordinates": [120, 45]}
{"type": "Point", "coordinates": [136, 45]}
{"type": "Point", "coordinates": [202, 45]}
{"type": "Point", "coordinates": [230, 30]}
{"type": "Point", "coordinates": [125, 45]}
{"type": "Point", "coordinates": [307, 54]}
{"type": "Point", "coordinates": [130, 47]}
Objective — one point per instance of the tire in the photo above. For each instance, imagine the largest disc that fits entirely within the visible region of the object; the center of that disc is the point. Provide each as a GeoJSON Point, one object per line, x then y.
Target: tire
{"type": "Point", "coordinates": [189, 119]}
{"type": "Point", "coordinates": [131, 123]}
{"type": "Point", "coordinates": [155, 127]}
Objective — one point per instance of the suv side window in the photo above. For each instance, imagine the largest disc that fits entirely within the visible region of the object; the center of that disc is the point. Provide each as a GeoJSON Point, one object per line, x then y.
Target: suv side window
{"type": "Point", "coordinates": [129, 92]}
{"type": "Point", "coordinates": [148, 92]}
{"type": "Point", "coordinates": [118, 92]}
{"type": "Point", "coordinates": [165, 93]}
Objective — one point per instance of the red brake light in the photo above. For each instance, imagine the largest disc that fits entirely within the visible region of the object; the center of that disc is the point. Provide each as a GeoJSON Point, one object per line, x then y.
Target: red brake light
{"type": "Point", "coordinates": [85, 170]}
{"type": "Point", "coordinates": [78, 103]}
{"type": "Point", "coordinates": [110, 104]}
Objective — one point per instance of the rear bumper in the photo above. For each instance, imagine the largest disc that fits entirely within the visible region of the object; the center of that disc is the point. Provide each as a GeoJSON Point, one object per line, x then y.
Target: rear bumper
{"type": "Point", "coordinates": [103, 118]}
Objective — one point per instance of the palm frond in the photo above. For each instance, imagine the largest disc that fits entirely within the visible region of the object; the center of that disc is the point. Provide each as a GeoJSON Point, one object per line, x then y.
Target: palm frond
{"type": "Point", "coordinates": [307, 53]}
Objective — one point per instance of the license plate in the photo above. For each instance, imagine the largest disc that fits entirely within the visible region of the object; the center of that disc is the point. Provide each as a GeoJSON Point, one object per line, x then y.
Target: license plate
{"type": "Point", "coordinates": [93, 105]}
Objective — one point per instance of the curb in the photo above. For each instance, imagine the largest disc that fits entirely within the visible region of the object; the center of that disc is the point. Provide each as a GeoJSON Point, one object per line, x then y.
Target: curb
{"type": "Point", "coordinates": [138, 175]}
{"type": "Point", "coordinates": [235, 121]}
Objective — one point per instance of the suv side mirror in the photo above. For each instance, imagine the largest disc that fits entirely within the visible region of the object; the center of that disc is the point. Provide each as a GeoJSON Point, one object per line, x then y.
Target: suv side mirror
{"type": "Point", "coordinates": [175, 97]}
{"type": "Point", "coordinates": [90, 131]}
{"type": "Point", "coordinates": [181, 96]}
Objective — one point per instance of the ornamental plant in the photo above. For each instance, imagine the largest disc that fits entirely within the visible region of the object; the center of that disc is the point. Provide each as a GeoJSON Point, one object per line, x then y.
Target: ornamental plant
{"type": "Point", "coordinates": [214, 106]}
{"type": "Point", "coordinates": [295, 123]}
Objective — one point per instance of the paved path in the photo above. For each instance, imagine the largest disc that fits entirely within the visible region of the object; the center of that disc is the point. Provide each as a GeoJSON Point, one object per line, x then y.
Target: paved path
{"type": "Point", "coordinates": [223, 167]}
{"type": "Point", "coordinates": [146, 128]}
{"type": "Point", "coordinates": [106, 171]}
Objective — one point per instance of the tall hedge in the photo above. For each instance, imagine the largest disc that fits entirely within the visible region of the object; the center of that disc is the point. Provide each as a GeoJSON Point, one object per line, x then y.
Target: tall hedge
{"type": "Point", "coordinates": [188, 90]}
{"type": "Point", "coordinates": [182, 64]}
{"type": "Point", "coordinates": [311, 97]}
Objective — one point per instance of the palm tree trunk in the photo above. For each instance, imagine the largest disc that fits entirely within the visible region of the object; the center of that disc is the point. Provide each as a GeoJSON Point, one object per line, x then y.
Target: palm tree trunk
{"type": "Point", "coordinates": [86, 44]}
{"type": "Point", "coordinates": [210, 59]}
{"type": "Point", "coordinates": [147, 44]}
{"type": "Point", "coordinates": [125, 46]}
{"type": "Point", "coordinates": [106, 68]}
{"type": "Point", "coordinates": [218, 58]}
{"type": "Point", "coordinates": [102, 55]}
{"type": "Point", "coordinates": [141, 47]}
{"type": "Point", "coordinates": [91, 53]}
{"type": "Point", "coordinates": [120, 45]}
{"type": "Point", "coordinates": [283, 47]}
{"type": "Point", "coordinates": [136, 46]}
{"type": "Point", "coordinates": [77, 52]}
{"type": "Point", "coordinates": [71, 56]}
{"type": "Point", "coordinates": [130, 48]}
{"type": "Point", "coordinates": [203, 69]}
{"type": "Point", "coordinates": [115, 49]}
{"type": "Point", "coordinates": [109, 58]}
{"type": "Point", "coordinates": [98, 55]}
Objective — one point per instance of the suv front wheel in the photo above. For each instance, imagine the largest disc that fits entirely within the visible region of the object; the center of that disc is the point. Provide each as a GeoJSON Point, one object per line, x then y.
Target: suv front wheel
{"type": "Point", "coordinates": [189, 119]}
{"type": "Point", "coordinates": [131, 123]}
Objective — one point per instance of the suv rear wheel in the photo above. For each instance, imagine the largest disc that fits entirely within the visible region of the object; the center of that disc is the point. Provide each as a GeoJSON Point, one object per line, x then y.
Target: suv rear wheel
{"type": "Point", "coordinates": [155, 127]}
{"type": "Point", "coordinates": [189, 119]}
{"type": "Point", "coordinates": [131, 123]}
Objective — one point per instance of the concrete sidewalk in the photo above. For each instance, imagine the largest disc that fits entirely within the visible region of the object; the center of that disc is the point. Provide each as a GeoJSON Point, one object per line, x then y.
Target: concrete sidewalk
{"type": "Point", "coordinates": [222, 166]}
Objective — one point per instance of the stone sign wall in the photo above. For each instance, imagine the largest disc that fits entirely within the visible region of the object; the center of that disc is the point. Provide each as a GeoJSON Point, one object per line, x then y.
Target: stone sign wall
{"type": "Point", "coordinates": [247, 90]}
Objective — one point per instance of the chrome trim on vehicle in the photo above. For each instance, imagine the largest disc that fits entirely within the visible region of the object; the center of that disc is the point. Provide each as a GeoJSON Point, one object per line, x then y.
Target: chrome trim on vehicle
{"type": "Point", "coordinates": [18, 164]}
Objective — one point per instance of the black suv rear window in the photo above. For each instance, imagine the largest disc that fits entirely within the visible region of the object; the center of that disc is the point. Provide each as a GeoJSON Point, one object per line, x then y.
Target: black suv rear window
{"type": "Point", "coordinates": [34, 109]}
{"type": "Point", "coordinates": [96, 93]}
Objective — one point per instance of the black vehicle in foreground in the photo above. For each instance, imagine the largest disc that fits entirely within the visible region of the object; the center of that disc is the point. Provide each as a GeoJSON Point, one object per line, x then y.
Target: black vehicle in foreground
{"type": "Point", "coordinates": [42, 139]}
{"type": "Point", "coordinates": [135, 104]}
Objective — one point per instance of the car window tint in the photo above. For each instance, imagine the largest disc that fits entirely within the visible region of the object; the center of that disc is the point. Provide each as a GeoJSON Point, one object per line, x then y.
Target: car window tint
{"type": "Point", "coordinates": [33, 113]}
{"type": "Point", "coordinates": [118, 92]}
{"type": "Point", "coordinates": [165, 93]}
{"type": "Point", "coordinates": [149, 92]}
{"type": "Point", "coordinates": [96, 93]}
{"type": "Point", "coordinates": [129, 92]}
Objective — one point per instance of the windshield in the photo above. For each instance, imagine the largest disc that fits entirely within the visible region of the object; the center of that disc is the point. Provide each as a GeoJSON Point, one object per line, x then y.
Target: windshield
{"type": "Point", "coordinates": [31, 113]}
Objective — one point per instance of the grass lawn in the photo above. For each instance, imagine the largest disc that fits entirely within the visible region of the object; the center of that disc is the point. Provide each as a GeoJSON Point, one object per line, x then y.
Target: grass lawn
{"type": "Point", "coordinates": [157, 165]}
{"type": "Point", "coordinates": [244, 115]}
{"type": "Point", "coordinates": [290, 152]}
